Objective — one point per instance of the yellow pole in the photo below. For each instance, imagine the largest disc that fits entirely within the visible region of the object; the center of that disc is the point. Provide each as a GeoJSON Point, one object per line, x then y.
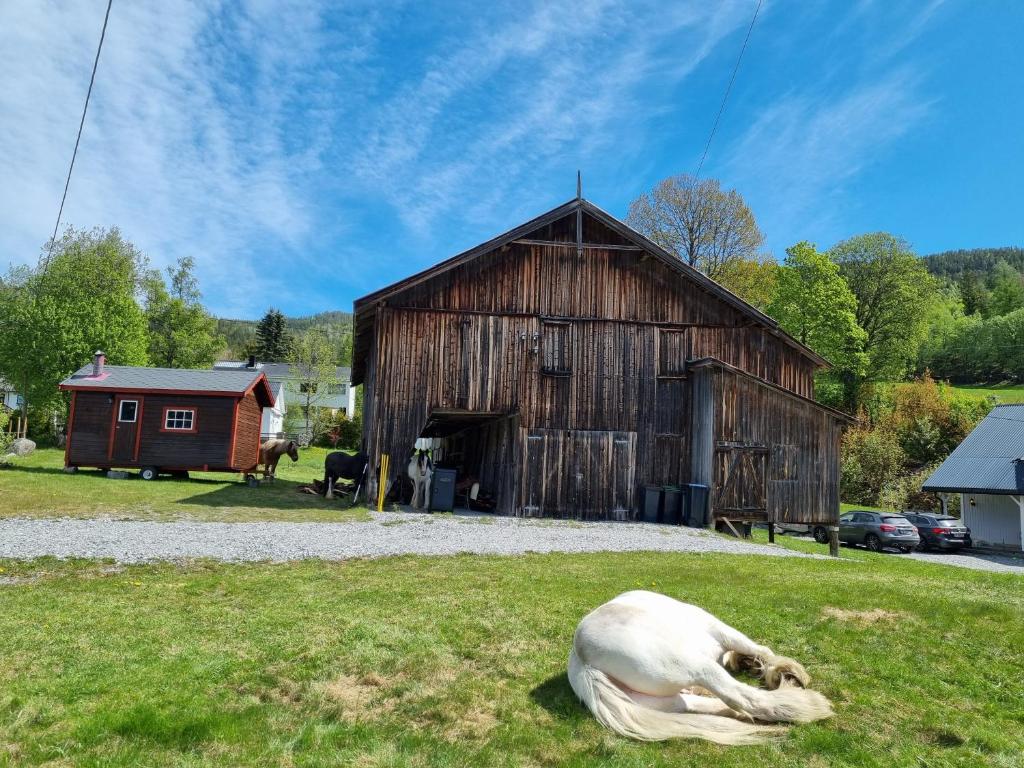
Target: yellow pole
{"type": "Point", "coordinates": [382, 484]}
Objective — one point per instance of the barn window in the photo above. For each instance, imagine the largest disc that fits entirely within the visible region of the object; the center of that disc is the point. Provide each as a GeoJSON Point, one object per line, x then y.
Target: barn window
{"type": "Point", "coordinates": [179, 420]}
{"type": "Point", "coordinates": [128, 410]}
{"type": "Point", "coordinates": [556, 348]}
{"type": "Point", "coordinates": [673, 351]}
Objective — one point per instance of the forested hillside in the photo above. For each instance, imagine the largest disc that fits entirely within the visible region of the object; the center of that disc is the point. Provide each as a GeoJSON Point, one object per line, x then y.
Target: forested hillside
{"type": "Point", "coordinates": [981, 261]}
{"type": "Point", "coordinates": [240, 334]}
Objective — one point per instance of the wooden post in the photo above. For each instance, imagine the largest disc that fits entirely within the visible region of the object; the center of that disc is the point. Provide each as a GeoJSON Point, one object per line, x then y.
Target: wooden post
{"type": "Point", "coordinates": [833, 540]}
{"type": "Point", "coordinates": [702, 450]}
{"type": "Point", "coordinates": [771, 532]}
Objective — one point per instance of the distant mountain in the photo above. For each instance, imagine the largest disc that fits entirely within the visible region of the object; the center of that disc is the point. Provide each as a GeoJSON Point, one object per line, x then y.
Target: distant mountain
{"type": "Point", "coordinates": [981, 261]}
{"type": "Point", "coordinates": [337, 326]}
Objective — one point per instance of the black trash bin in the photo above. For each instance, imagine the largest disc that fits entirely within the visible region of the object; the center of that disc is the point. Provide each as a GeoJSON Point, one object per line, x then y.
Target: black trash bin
{"type": "Point", "coordinates": [696, 505]}
{"type": "Point", "coordinates": [672, 506]}
{"type": "Point", "coordinates": [651, 503]}
{"type": "Point", "coordinates": [442, 491]}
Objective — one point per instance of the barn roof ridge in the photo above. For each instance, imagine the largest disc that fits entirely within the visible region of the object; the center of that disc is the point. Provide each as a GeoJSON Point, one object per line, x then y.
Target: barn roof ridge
{"type": "Point", "coordinates": [367, 301]}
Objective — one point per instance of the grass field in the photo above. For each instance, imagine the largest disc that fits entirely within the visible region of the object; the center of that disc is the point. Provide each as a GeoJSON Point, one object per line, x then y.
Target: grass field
{"type": "Point", "coordinates": [36, 486]}
{"type": "Point", "coordinates": [460, 661]}
{"type": "Point", "coordinates": [1004, 393]}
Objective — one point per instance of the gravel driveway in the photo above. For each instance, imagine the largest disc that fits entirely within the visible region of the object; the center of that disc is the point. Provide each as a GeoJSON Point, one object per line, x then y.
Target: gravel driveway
{"type": "Point", "coordinates": [387, 533]}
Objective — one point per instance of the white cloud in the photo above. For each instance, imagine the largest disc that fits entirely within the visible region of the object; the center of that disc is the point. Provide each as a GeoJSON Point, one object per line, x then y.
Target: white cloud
{"type": "Point", "coordinates": [187, 145]}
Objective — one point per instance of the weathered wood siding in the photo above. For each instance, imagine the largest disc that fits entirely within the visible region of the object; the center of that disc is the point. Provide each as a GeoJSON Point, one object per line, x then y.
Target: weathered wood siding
{"type": "Point", "coordinates": [585, 349]}
{"type": "Point", "coordinates": [765, 448]}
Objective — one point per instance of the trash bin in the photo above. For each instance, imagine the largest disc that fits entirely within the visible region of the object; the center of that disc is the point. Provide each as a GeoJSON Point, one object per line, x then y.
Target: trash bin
{"type": "Point", "coordinates": [696, 505]}
{"type": "Point", "coordinates": [442, 491]}
{"type": "Point", "coordinates": [651, 503]}
{"type": "Point", "coordinates": [672, 505]}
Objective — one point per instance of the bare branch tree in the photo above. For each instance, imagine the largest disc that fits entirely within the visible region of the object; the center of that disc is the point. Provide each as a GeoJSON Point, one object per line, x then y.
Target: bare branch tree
{"type": "Point", "coordinates": [703, 225]}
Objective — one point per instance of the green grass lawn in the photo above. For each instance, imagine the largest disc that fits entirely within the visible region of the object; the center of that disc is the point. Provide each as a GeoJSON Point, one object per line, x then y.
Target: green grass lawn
{"type": "Point", "coordinates": [1004, 393]}
{"type": "Point", "coordinates": [460, 661]}
{"type": "Point", "coordinates": [36, 486]}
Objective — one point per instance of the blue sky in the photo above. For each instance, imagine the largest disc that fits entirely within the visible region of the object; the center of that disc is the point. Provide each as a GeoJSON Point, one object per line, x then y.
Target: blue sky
{"type": "Point", "coordinates": [308, 153]}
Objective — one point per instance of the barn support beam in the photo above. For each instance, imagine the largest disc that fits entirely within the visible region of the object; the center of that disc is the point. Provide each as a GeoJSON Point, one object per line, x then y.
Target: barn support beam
{"type": "Point", "coordinates": [702, 453]}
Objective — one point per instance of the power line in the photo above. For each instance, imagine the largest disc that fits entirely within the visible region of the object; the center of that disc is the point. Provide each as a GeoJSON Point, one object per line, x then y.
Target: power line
{"type": "Point", "coordinates": [78, 139]}
{"type": "Point", "coordinates": [725, 97]}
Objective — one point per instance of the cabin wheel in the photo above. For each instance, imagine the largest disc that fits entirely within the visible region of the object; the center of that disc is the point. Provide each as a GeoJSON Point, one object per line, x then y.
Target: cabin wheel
{"type": "Point", "coordinates": [148, 473]}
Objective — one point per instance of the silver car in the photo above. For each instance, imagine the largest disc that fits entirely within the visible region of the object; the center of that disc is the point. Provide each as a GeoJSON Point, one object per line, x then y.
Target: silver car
{"type": "Point", "coordinates": [877, 530]}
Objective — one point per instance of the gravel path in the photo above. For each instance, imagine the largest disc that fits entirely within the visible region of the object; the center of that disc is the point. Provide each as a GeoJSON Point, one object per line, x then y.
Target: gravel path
{"type": "Point", "coordinates": [386, 534]}
{"type": "Point", "coordinates": [977, 561]}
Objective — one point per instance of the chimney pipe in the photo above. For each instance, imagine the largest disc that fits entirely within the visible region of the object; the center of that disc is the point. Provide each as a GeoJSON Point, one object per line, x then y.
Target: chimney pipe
{"type": "Point", "coordinates": [97, 363]}
{"type": "Point", "coordinates": [252, 362]}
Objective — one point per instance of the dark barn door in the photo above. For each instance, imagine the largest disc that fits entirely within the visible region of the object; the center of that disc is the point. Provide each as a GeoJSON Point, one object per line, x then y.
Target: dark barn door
{"type": "Point", "coordinates": [127, 422]}
{"type": "Point", "coordinates": [579, 474]}
{"type": "Point", "coordinates": [741, 481]}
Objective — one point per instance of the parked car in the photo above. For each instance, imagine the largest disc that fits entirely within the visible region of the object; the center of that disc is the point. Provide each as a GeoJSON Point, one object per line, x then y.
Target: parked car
{"type": "Point", "coordinates": [877, 530]}
{"type": "Point", "coordinates": [940, 531]}
{"type": "Point", "coordinates": [819, 532]}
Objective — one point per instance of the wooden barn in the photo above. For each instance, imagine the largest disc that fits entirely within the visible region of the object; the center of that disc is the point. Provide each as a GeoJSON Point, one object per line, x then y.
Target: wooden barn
{"type": "Point", "coordinates": [165, 419]}
{"type": "Point", "coordinates": [571, 361]}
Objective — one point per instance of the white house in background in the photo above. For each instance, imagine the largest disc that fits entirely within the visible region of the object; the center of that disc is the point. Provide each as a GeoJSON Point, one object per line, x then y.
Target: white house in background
{"type": "Point", "coordinates": [9, 398]}
{"type": "Point", "coordinates": [987, 470]}
{"type": "Point", "coordinates": [287, 389]}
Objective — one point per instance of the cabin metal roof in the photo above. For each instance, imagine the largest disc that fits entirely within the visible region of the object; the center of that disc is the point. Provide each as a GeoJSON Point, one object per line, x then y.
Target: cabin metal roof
{"type": "Point", "coordinates": [125, 378]}
{"type": "Point", "coordinates": [277, 371]}
{"type": "Point", "coordinates": [989, 460]}
{"type": "Point", "coordinates": [365, 307]}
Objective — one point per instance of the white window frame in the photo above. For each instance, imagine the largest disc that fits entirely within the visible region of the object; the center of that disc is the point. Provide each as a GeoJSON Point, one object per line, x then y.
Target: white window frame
{"type": "Point", "coordinates": [120, 411]}
{"type": "Point", "coordinates": [175, 415]}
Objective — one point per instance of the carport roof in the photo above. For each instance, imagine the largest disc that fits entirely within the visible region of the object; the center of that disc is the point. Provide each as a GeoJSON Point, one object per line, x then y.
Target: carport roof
{"type": "Point", "coordinates": [989, 460]}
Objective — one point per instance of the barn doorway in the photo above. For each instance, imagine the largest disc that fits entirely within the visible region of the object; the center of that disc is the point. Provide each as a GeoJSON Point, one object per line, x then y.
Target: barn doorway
{"type": "Point", "coordinates": [481, 448]}
{"type": "Point", "coordinates": [579, 474]}
{"type": "Point", "coordinates": [741, 482]}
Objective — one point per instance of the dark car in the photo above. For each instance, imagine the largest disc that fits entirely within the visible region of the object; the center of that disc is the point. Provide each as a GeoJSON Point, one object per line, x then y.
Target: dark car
{"type": "Point", "coordinates": [939, 531]}
{"type": "Point", "coordinates": [877, 530]}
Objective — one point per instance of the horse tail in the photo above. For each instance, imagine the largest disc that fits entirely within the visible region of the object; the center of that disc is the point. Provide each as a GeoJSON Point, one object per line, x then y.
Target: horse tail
{"type": "Point", "coordinates": [615, 709]}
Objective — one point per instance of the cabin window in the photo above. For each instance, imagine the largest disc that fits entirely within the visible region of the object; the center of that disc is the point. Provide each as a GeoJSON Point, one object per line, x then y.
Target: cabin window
{"type": "Point", "coordinates": [673, 351]}
{"type": "Point", "coordinates": [556, 348]}
{"type": "Point", "coordinates": [179, 420]}
{"type": "Point", "coordinates": [308, 387]}
{"type": "Point", "coordinates": [128, 410]}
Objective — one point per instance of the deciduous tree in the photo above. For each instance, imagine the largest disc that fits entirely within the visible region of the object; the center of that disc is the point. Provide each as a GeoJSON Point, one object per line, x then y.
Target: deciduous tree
{"type": "Point", "coordinates": [53, 317]}
{"type": "Point", "coordinates": [181, 332]}
{"type": "Point", "coordinates": [814, 304]}
{"type": "Point", "coordinates": [893, 291]}
{"type": "Point", "coordinates": [698, 221]}
{"type": "Point", "coordinates": [314, 380]}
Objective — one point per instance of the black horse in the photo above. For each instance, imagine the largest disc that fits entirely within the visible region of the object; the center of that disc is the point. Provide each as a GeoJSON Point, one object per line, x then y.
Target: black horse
{"type": "Point", "coordinates": [341, 466]}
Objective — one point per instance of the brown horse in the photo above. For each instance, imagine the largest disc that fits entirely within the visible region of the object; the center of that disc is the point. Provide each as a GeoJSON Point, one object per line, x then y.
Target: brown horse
{"type": "Point", "coordinates": [271, 453]}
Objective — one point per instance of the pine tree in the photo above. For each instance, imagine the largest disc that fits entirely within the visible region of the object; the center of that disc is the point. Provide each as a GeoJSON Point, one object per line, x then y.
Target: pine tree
{"type": "Point", "coordinates": [273, 342]}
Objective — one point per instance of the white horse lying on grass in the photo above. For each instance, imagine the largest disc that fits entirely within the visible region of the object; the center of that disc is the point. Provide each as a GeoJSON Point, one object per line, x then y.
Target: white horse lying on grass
{"type": "Point", "coordinates": [652, 668]}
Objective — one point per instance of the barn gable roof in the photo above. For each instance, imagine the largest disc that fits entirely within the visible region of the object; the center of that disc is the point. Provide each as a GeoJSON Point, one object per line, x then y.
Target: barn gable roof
{"type": "Point", "coordinates": [138, 380]}
{"type": "Point", "coordinates": [989, 460]}
{"type": "Point", "coordinates": [365, 306]}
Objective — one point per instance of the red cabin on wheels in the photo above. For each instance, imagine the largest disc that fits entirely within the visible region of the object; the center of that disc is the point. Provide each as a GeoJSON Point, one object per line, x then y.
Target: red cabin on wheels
{"type": "Point", "coordinates": [165, 419]}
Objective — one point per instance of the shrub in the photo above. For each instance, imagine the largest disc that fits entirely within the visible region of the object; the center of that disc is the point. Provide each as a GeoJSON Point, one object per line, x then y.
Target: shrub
{"type": "Point", "coordinates": [871, 460]}
{"type": "Point", "coordinates": [343, 432]}
{"type": "Point", "coordinates": [904, 492]}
